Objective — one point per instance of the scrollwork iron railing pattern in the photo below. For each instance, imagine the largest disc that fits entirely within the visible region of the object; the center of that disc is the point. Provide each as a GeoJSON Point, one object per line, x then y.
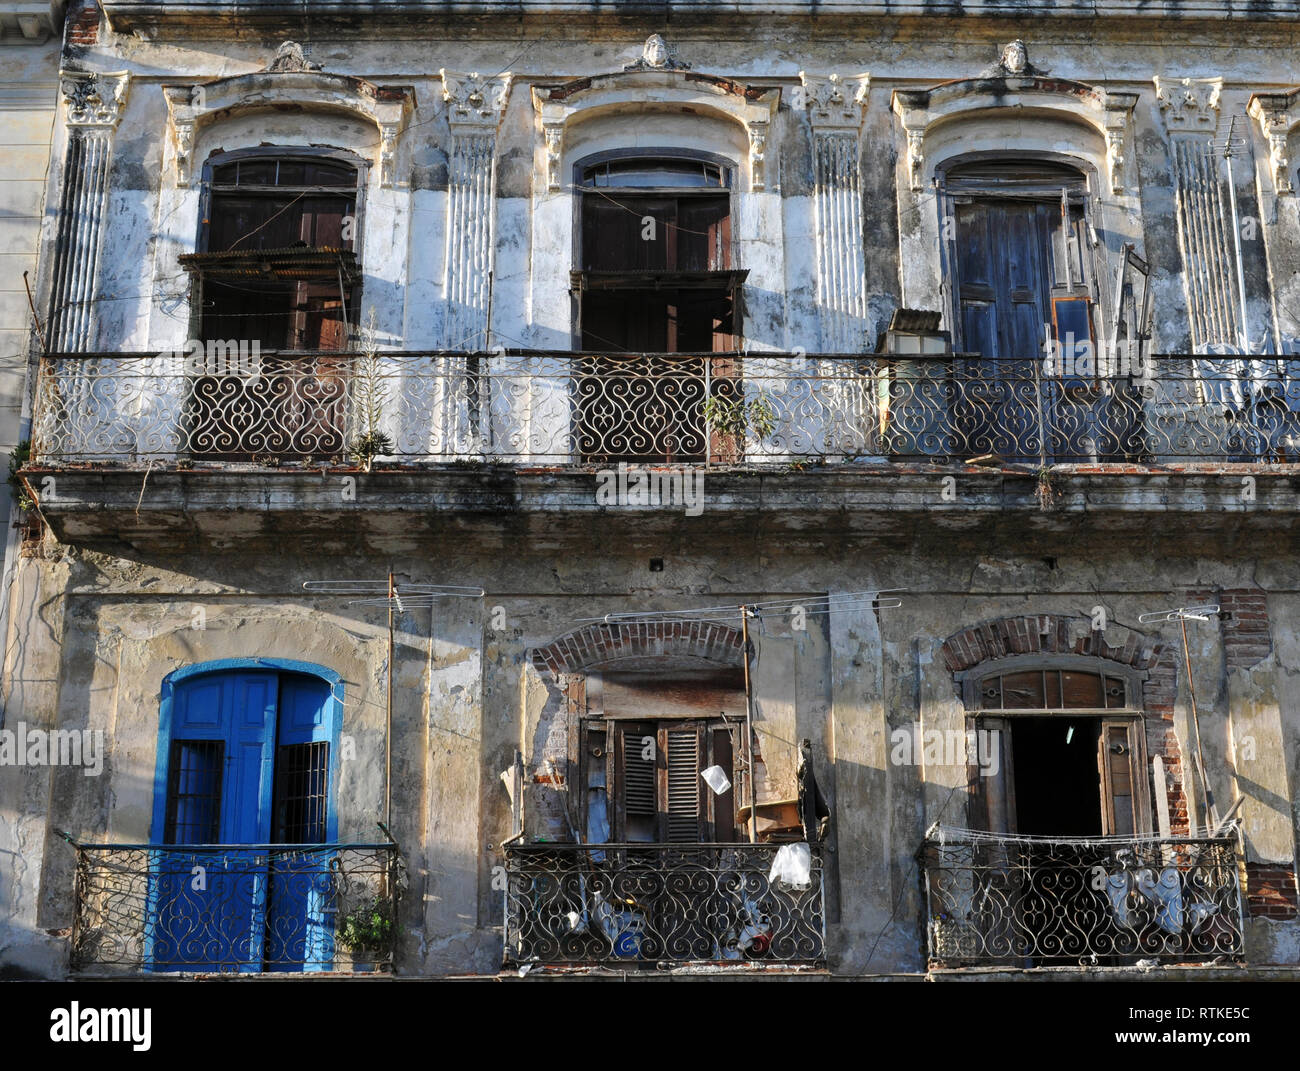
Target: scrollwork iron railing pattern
{"type": "Point", "coordinates": [580, 409]}
{"type": "Point", "coordinates": [1030, 901]}
{"type": "Point", "coordinates": [235, 908]}
{"type": "Point", "coordinates": [646, 904]}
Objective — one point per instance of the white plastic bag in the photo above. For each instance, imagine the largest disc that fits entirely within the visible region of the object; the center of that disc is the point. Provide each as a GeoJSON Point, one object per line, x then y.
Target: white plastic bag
{"type": "Point", "coordinates": [792, 867]}
{"type": "Point", "coordinates": [716, 778]}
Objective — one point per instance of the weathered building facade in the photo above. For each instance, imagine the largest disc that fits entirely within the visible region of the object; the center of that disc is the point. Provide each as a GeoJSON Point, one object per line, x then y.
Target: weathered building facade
{"type": "Point", "coordinates": [425, 394]}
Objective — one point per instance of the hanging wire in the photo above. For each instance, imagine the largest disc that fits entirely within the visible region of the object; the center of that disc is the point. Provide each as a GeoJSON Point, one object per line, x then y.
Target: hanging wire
{"type": "Point", "coordinates": [819, 604]}
{"type": "Point", "coordinates": [403, 598]}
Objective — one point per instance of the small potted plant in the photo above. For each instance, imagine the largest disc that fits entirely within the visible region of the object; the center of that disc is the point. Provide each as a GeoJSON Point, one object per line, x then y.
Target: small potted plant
{"type": "Point", "coordinates": [367, 930]}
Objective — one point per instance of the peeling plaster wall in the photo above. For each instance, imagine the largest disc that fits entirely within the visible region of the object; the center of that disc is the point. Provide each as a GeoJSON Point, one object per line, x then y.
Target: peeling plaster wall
{"type": "Point", "coordinates": [93, 635]}
{"type": "Point", "coordinates": [104, 631]}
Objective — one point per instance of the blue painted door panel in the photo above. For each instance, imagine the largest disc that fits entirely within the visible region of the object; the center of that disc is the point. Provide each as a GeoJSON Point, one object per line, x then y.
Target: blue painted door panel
{"type": "Point", "coordinates": [238, 909]}
{"type": "Point", "coordinates": [300, 929]}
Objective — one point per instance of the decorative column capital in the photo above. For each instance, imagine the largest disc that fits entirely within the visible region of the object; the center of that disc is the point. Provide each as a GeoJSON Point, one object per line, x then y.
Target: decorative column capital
{"type": "Point", "coordinates": [475, 103]}
{"type": "Point", "coordinates": [1189, 104]}
{"type": "Point", "coordinates": [834, 103]}
{"type": "Point", "coordinates": [1277, 115]}
{"type": "Point", "coordinates": [93, 99]}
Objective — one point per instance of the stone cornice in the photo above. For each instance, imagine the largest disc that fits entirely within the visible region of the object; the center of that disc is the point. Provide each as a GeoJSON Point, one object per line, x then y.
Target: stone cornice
{"type": "Point", "coordinates": [376, 17]}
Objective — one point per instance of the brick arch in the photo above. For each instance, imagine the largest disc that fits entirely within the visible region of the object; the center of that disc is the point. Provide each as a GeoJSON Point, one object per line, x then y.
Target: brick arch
{"type": "Point", "coordinates": [1059, 634]}
{"type": "Point", "coordinates": [631, 645]}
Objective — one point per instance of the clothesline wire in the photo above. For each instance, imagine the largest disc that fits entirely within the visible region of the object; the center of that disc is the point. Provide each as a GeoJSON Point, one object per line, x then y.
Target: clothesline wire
{"type": "Point", "coordinates": [956, 835]}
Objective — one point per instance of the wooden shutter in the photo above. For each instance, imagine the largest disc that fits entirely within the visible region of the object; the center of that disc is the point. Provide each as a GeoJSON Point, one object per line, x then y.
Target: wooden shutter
{"type": "Point", "coordinates": [1121, 771]}
{"type": "Point", "coordinates": [659, 795]}
{"type": "Point", "coordinates": [724, 806]}
{"type": "Point", "coordinates": [682, 786]}
{"type": "Point", "coordinates": [637, 804]}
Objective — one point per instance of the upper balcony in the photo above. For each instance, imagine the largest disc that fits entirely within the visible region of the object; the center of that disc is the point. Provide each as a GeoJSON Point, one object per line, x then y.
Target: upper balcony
{"type": "Point", "coordinates": [129, 442]}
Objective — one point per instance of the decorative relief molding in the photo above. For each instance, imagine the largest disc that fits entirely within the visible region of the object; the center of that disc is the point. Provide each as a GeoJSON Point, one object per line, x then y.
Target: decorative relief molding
{"type": "Point", "coordinates": [834, 102]}
{"type": "Point", "coordinates": [1117, 118]}
{"type": "Point", "coordinates": [92, 99]}
{"type": "Point", "coordinates": [1277, 115]}
{"type": "Point", "coordinates": [1189, 104]}
{"type": "Point", "coordinates": [475, 103]}
{"type": "Point", "coordinates": [191, 107]}
{"type": "Point", "coordinates": [1110, 114]}
{"type": "Point", "coordinates": [648, 88]}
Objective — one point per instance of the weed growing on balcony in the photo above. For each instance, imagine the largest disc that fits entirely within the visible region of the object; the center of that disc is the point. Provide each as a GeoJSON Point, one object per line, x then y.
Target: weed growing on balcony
{"type": "Point", "coordinates": [367, 928]}
{"type": "Point", "coordinates": [371, 397]}
{"type": "Point", "coordinates": [17, 459]}
{"type": "Point", "coordinates": [739, 417]}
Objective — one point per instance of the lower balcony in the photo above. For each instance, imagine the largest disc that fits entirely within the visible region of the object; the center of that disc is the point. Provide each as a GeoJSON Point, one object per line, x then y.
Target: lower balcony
{"type": "Point", "coordinates": [153, 908]}
{"type": "Point", "coordinates": [1006, 901]}
{"type": "Point", "coordinates": [629, 906]}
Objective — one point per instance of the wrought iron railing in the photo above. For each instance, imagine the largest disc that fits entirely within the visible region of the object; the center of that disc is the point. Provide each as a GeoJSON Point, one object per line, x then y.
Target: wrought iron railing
{"type": "Point", "coordinates": [647, 904]}
{"type": "Point", "coordinates": [1033, 901]}
{"type": "Point", "coordinates": [585, 409]}
{"type": "Point", "coordinates": [235, 908]}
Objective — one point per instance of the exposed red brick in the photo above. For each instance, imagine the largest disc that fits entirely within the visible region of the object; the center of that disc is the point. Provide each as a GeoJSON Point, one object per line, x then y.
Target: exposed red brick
{"type": "Point", "coordinates": [1271, 890]}
{"type": "Point", "coordinates": [83, 26]}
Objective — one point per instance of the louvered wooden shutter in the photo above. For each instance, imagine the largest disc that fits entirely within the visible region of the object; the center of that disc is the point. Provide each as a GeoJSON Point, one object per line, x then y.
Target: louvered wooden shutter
{"type": "Point", "coordinates": [681, 780]}
{"type": "Point", "coordinates": [638, 798]}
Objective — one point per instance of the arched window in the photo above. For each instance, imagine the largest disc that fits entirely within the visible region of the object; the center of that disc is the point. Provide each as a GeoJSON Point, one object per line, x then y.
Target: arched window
{"type": "Point", "coordinates": [277, 247]}
{"type": "Point", "coordinates": [244, 759]}
{"type": "Point", "coordinates": [655, 277]}
{"type": "Point", "coordinates": [656, 255]}
{"type": "Point", "coordinates": [1023, 274]}
{"type": "Point", "coordinates": [1070, 745]}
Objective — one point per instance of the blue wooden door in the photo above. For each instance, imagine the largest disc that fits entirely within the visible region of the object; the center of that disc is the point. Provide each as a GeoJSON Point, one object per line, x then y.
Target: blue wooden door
{"type": "Point", "coordinates": [231, 777]}
{"type": "Point", "coordinates": [300, 925]}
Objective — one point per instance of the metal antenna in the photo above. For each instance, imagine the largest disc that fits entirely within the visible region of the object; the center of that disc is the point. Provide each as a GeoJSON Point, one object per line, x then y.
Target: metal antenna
{"type": "Point", "coordinates": [1182, 615]}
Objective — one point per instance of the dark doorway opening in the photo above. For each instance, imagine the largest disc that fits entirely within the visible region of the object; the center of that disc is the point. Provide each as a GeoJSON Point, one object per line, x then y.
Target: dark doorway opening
{"type": "Point", "coordinates": [1057, 784]}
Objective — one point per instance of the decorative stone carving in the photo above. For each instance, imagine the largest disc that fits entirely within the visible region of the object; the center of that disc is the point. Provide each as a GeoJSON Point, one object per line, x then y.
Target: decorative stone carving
{"type": "Point", "coordinates": [190, 107]}
{"type": "Point", "coordinates": [657, 55]}
{"type": "Point", "coordinates": [93, 103]}
{"type": "Point", "coordinates": [1277, 115]}
{"type": "Point", "coordinates": [94, 100]}
{"type": "Point", "coordinates": [1110, 114]}
{"type": "Point", "coordinates": [835, 102]}
{"type": "Point", "coordinates": [1190, 107]}
{"type": "Point", "coordinates": [289, 57]}
{"type": "Point", "coordinates": [474, 100]}
{"type": "Point", "coordinates": [1013, 63]}
{"type": "Point", "coordinates": [1189, 103]}
{"type": "Point", "coordinates": [554, 134]}
{"type": "Point", "coordinates": [915, 157]}
{"type": "Point", "coordinates": [1117, 115]}
{"type": "Point", "coordinates": [649, 89]}
{"type": "Point", "coordinates": [758, 155]}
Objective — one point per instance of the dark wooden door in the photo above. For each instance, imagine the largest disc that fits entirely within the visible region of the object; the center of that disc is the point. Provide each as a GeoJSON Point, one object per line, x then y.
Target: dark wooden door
{"type": "Point", "coordinates": [1004, 298]}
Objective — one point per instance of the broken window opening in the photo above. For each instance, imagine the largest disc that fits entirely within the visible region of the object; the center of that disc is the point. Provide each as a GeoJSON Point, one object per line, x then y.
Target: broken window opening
{"type": "Point", "coordinates": [276, 275]}
{"type": "Point", "coordinates": [656, 278]}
